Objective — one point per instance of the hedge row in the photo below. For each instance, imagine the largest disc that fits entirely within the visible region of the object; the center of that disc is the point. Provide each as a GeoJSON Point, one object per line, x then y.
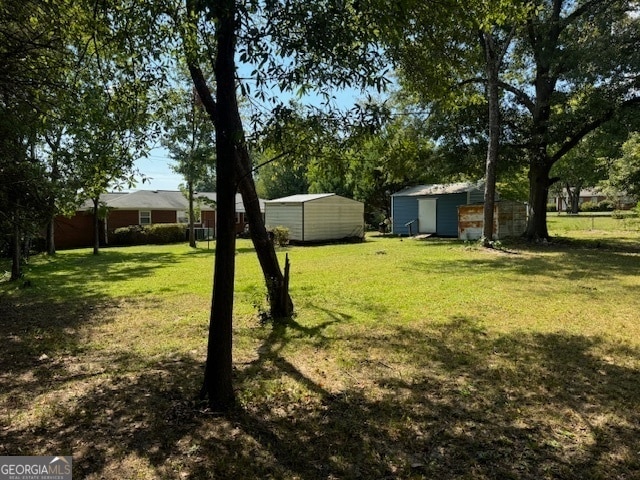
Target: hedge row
{"type": "Point", "coordinates": [159, 233]}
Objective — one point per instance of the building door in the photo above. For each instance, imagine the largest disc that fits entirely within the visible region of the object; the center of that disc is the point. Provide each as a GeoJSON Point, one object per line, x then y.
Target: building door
{"type": "Point", "coordinates": [427, 215]}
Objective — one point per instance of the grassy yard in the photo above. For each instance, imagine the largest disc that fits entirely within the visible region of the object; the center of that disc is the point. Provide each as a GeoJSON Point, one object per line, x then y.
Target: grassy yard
{"type": "Point", "coordinates": [407, 359]}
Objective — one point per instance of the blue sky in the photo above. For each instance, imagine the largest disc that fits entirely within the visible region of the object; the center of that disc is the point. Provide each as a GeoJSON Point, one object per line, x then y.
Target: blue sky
{"type": "Point", "coordinates": [157, 166]}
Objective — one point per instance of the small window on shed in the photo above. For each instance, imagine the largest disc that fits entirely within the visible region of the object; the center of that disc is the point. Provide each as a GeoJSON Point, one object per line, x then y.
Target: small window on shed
{"type": "Point", "coordinates": [145, 217]}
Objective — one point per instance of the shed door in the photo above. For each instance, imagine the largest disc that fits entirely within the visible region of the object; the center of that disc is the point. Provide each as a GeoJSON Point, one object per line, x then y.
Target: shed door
{"type": "Point", "coordinates": [427, 215]}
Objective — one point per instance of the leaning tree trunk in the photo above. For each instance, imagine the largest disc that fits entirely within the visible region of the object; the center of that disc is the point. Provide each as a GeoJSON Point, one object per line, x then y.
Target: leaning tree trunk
{"type": "Point", "coordinates": [280, 303]}
{"type": "Point", "coordinates": [539, 183]}
{"type": "Point", "coordinates": [217, 387]}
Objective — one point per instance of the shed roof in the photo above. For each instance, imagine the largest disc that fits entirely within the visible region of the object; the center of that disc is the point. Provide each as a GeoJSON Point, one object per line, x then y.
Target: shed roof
{"type": "Point", "coordinates": [439, 189]}
{"type": "Point", "coordinates": [301, 198]}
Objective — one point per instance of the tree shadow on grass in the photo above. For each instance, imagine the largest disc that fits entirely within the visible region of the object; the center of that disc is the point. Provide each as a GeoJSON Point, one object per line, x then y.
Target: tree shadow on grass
{"type": "Point", "coordinates": [574, 262]}
{"type": "Point", "coordinates": [446, 401]}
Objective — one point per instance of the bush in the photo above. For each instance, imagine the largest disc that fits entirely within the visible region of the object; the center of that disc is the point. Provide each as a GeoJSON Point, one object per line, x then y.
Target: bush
{"type": "Point", "coordinates": [606, 206]}
{"type": "Point", "coordinates": [280, 235]}
{"type": "Point", "coordinates": [551, 207]}
{"type": "Point", "coordinates": [159, 233]}
{"type": "Point", "coordinates": [589, 207]}
{"type": "Point", "coordinates": [166, 232]}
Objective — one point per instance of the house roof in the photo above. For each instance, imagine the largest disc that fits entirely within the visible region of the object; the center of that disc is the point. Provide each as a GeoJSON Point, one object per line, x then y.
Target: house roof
{"type": "Point", "coordinates": [158, 200]}
{"type": "Point", "coordinates": [150, 200]}
{"type": "Point", "coordinates": [301, 198]}
{"type": "Point", "coordinates": [439, 189]}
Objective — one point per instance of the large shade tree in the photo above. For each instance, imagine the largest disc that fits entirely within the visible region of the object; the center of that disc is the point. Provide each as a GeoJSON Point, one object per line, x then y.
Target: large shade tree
{"type": "Point", "coordinates": [569, 68]}
{"type": "Point", "coordinates": [452, 55]}
{"type": "Point", "coordinates": [579, 68]}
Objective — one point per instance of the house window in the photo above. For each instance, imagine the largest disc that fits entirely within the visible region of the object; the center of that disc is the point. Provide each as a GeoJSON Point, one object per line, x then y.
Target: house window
{"type": "Point", "coordinates": [237, 218]}
{"type": "Point", "coordinates": [145, 217]}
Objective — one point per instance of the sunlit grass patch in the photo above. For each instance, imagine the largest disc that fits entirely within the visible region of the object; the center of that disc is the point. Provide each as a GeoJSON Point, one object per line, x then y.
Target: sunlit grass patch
{"type": "Point", "coordinates": [405, 359]}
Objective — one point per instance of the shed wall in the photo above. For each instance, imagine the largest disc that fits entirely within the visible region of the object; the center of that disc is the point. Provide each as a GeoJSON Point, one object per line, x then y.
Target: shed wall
{"type": "Point", "coordinates": [333, 218]}
{"type": "Point", "coordinates": [512, 219]}
{"type": "Point", "coordinates": [74, 232]}
{"type": "Point", "coordinates": [447, 211]}
{"type": "Point", "coordinates": [404, 210]}
{"type": "Point", "coordinates": [287, 215]}
{"type": "Point", "coordinates": [509, 220]}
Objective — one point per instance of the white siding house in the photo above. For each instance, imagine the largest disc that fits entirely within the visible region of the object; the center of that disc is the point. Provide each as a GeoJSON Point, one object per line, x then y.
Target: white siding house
{"type": "Point", "coordinates": [316, 217]}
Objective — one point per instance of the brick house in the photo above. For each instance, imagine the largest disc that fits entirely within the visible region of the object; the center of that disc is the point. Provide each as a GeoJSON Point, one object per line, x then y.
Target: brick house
{"type": "Point", "coordinates": [142, 207]}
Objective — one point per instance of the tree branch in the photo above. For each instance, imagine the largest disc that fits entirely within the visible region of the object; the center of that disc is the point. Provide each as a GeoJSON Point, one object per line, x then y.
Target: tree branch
{"type": "Point", "coordinates": [591, 126]}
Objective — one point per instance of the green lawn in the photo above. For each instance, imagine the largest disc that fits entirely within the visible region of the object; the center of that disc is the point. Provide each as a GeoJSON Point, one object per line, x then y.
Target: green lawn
{"type": "Point", "coordinates": [406, 359]}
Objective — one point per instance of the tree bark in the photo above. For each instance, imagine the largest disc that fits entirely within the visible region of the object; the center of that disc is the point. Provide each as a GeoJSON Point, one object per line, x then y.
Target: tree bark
{"type": "Point", "coordinates": [217, 387]}
{"type": "Point", "coordinates": [96, 226]}
{"type": "Point", "coordinates": [280, 303]}
{"type": "Point", "coordinates": [493, 98]}
{"type": "Point", "coordinates": [16, 270]}
{"type": "Point", "coordinates": [51, 236]}
{"type": "Point", "coordinates": [55, 178]}
{"type": "Point", "coordinates": [539, 183]}
{"type": "Point", "coordinates": [574, 197]}
{"type": "Point", "coordinates": [192, 233]}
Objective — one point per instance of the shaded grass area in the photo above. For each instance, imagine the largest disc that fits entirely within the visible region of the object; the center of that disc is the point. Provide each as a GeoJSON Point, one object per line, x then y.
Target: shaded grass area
{"type": "Point", "coordinates": [407, 359]}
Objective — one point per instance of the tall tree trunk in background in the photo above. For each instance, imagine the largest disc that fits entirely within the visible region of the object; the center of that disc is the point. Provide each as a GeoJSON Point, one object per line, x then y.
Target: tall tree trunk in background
{"type": "Point", "coordinates": [51, 236]}
{"type": "Point", "coordinates": [217, 387]}
{"type": "Point", "coordinates": [192, 233]}
{"type": "Point", "coordinates": [96, 226]}
{"type": "Point", "coordinates": [493, 60]}
{"type": "Point", "coordinates": [16, 271]}
{"type": "Point", "coordinates": [573, 195]}
{"type": "Point", "coordinates": [55, 178]}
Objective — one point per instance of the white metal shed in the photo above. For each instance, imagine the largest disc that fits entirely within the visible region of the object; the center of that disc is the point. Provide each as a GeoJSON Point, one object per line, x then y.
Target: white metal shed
{"type": "Point", "coordinates": [316, 217]}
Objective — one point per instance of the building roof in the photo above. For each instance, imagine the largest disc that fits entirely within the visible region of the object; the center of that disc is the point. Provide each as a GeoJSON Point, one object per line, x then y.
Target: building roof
{"type": "Point", "coordinates": [150, 200]}
{"type": "Point", "coordinates": [158, 200]}
{"type": "Point", "coordinates": [439, 189]}
{"type": "Point", "coordinates": [301, 198]}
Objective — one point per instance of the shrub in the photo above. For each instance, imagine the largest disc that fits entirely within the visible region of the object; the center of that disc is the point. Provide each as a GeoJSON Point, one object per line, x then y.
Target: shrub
{"type": "Point", "coordinates": [280, 235]}
{"type": "Point", "coordinates": [166, 232]}
{"type": "Point", "coordinates": [551, 207]}
{"type": "Point", "coordinates": [159, 233]}
{"type": "Point", "coordinates": [606, 206]}
{"type": "Point", "coordinates": [131, 235]}
{"type": "Point", "coordinates": [589, 207]}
